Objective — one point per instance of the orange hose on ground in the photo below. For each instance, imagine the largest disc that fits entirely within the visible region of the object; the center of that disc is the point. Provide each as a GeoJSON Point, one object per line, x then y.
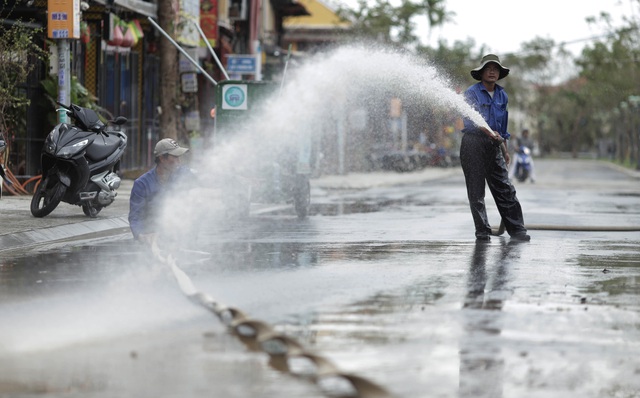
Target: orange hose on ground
{"type": "Point", "coordinates": [8, 189]}
{"type": "Point", "coordinates": [37, 178]}
{"type": "Point", "coordinates": [16, 187]}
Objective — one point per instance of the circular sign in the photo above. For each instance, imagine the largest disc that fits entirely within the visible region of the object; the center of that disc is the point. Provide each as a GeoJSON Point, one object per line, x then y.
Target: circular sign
{"type": "Point", "coordinates": [234, 96]}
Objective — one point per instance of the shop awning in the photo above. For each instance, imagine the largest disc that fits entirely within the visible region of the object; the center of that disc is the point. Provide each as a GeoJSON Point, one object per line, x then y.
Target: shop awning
{"type": "Point", "coordinates": [289, 8]}
{"type": "Point", "coordinates": [141, 7]}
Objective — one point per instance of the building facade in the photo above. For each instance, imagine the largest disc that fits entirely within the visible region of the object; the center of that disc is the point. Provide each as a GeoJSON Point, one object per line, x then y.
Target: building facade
{"type": "Point", "coordinates": [116, 60]}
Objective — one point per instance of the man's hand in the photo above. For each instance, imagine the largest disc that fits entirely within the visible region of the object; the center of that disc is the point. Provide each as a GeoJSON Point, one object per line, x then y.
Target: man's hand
{"type": "Point", "coordinates": [505, 153]}
{"type": "Point", "coordinates": [494, 135]}
{"type": "Point", "coordinates": [498, 140]}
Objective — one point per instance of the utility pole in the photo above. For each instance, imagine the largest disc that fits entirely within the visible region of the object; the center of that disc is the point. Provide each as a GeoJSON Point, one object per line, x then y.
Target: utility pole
{"type": "Point", "coordinates": [63, 24]}
{"type": "Point", "coordinates": [169, 116]}
{"type": "Point", "coordinates": [64, 78]}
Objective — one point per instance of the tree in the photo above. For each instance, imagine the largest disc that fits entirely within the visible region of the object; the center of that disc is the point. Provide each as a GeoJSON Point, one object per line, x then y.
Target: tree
{"type": "Point", "coordinates": [169, 96]}
{"type": "Point", "coordinates": [382, 21]}
{"type": "Point", "coordinates": [609, 67]}
{"type": "Point", "coordinates": [454, 62]}
{"type": "Point", "coordinates": [575, 114]}
{"type": "Point", "coordinates": [18, 53]}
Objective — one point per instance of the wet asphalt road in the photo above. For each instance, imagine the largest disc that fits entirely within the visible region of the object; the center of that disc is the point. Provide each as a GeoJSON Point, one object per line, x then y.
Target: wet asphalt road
{"type": "Point", "coordinates": [386, 282]}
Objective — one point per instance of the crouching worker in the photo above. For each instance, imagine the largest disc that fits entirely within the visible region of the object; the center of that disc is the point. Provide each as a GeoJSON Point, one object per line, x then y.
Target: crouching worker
{"type": "Point", "coordinates": [154, 187]}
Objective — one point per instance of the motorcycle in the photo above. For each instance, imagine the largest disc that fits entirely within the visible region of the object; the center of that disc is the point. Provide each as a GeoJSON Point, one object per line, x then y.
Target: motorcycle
{"type": "Point", "coordinates": [80, 163]}
{"type": "Point", "coordinates": [523, 164]}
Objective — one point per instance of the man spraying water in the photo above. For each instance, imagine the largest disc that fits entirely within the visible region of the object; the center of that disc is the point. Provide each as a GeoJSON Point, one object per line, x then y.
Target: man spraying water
{"type": "Point", "coordinates": [484, 155]}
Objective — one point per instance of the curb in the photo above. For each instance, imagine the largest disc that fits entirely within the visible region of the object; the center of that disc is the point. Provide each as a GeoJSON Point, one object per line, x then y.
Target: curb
{"type": "Point", "coordinates": [625, 170]}
{"type": "Point", "coordinates": [60, 233]}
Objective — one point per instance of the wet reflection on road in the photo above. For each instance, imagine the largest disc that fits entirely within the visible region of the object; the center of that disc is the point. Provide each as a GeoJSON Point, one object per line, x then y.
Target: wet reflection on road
{"type": "Point", "coordinates": [481, 360]}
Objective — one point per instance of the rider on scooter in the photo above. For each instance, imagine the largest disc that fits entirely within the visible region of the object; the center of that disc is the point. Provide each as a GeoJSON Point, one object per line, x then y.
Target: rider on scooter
{"type": "Point", "coordinates": [518, 143]}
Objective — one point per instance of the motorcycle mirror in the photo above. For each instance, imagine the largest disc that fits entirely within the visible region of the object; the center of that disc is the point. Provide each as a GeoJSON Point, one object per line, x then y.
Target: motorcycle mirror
{"type": "Point", "coordinates": [120, 120]}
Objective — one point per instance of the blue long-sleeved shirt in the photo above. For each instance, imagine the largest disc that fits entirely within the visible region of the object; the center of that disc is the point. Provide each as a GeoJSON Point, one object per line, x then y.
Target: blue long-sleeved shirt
{"type": "Point", "coordinates": [493, 110]}
{"type": "Point", "coordinates": [143, 194]}
{"type": "Point", "coordinates": [146, 195]}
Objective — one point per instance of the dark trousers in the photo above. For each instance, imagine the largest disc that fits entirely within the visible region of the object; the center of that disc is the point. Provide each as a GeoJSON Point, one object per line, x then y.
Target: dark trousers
{"type": "Point", "coordinates": [483, 162]}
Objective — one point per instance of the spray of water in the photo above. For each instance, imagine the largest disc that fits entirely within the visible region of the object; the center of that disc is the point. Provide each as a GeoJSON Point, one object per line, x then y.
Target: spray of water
{"type": "Point", "coordinates": [319, 97]}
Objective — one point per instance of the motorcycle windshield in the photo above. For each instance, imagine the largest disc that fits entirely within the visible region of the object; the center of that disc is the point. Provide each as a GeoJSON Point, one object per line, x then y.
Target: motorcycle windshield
{"type": "Point", "coordinates": [87, 118]}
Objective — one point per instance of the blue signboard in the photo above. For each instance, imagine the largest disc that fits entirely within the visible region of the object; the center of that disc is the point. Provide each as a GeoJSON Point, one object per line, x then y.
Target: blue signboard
{"type": "Point", "coordinates": [241, 64]}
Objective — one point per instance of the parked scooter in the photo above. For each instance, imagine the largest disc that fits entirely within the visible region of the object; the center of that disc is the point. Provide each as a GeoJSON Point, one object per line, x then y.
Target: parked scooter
{"type": "Point", "coordinates": [80, 162]}
{"type": "Point", "coordinates": [523, 164]}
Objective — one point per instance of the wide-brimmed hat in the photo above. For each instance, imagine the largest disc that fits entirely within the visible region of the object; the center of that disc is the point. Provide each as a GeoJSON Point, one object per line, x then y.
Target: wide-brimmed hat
{"type": "Point", "coordinates": [168, 146]}
{"type": "Point", "coordinates": [477, 72]}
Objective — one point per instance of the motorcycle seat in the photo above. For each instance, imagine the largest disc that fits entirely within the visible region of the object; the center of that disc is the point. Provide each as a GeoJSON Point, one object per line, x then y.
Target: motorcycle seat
{"type": "Point", "coordinates": [103, 146]}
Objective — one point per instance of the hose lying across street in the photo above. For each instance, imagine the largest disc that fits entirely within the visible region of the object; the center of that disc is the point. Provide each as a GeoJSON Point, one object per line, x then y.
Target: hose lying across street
{"type": "Point", "coordinates": [286, 354]}
{"type": "Point", "coordinates": [583, 228]}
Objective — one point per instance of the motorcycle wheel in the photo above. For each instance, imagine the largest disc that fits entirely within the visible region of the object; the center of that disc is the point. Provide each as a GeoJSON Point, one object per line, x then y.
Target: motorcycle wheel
{"type": "Point", "coordinates": [91, 211]}
{"type": "Point", "coordinates": [302, 197]}
{"type": "Point", "coordinates": [47, 197]}
{"type": "Point", "coordinates": [523, 175]}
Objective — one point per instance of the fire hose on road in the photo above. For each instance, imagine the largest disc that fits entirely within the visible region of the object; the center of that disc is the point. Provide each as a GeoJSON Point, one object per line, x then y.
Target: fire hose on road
{"type": "Point", "coordinates": [581, 228]}
{"type": "Point", "coordinates": [286, 354]}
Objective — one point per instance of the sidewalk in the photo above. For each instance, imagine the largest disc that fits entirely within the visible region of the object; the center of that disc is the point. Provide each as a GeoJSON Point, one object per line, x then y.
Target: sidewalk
{"type": "Point", "coordinates": [19, 229]}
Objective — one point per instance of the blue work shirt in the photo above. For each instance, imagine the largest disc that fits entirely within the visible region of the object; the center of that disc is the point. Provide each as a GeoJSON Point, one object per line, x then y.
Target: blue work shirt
{"type": "Point", "coordinates": [146, 195]}
{"type": "Point", "coordinates": [493, 110]}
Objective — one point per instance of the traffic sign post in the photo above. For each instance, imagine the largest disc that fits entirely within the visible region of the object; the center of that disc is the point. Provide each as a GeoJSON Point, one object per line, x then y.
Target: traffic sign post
{"type": "Point", "coordinates": [242, 64]}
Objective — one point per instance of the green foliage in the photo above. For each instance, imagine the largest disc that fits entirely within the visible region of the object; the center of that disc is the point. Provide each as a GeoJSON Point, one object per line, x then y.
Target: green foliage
{"type": "Point", "coordinates": [79, 95]}
{"type": "Point", "coordinates": [385, 22]}
{"type": "Point", "coordinates": [19, 54]}
{"type": "Point", "coordinates": [454, 62]}
{"type": "Point", "coordinates": [596, 105]}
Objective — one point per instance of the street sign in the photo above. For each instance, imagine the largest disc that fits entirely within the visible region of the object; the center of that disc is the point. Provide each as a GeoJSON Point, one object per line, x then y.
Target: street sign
{"type": "Point", "coordinates": [245, 64]}
{"type": "Point", "coordinates": [63, 19]}
{"type": "Point", "coordinates": [234, 96]}
{"type": "Point", "coordinates": [189, 82]}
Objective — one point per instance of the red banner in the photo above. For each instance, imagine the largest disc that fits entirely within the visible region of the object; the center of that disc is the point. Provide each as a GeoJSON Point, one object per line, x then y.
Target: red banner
{"type": "Point", "coordinates": [209, 20]}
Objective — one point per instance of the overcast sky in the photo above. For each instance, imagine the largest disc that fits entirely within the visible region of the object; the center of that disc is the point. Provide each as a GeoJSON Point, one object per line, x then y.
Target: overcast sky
{"type": "Point", "coordinates": [504, 24]}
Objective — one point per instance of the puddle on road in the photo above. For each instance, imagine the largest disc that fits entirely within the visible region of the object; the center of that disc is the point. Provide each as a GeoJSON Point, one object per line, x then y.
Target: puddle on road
{"type": "Point", "coordinates": [46, 273]}
{"type": "Point", "coordinates": [611, 265]}
{"type": "Point", "coordinates": [626, 194]}
{"type": "Point", "coordinates": [360, 206]}
{"type": "Point", "coordinates": [332, 209]}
